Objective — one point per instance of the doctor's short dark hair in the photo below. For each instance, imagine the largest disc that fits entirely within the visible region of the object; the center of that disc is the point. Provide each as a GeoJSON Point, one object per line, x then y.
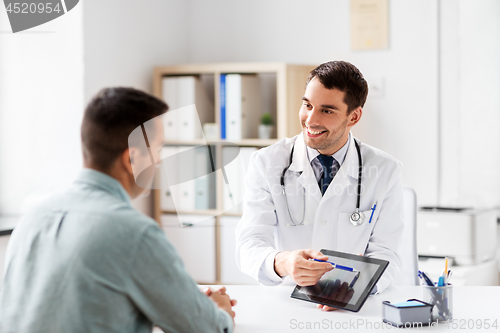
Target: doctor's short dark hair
{"type": "Point", "coordinates": [109, 119]}
{"type": "Point", "coordinates": [345, 77]}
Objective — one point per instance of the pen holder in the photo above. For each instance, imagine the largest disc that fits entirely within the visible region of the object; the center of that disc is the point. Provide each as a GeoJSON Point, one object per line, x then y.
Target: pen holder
{"type": "Point", "coordinates": [442, 299]}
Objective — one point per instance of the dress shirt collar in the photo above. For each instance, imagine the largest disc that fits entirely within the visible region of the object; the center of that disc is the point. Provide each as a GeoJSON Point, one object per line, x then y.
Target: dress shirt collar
{"type": "Point", "coordinates": [339, 155]}
{"type": "Point", "coordinates": [104, 182]}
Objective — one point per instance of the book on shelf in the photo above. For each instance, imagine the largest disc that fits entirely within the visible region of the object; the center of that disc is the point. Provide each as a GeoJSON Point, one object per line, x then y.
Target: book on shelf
{"type": "Point", "coordinates": [190, 106]}
{"type": "Point", "coordinates": [169, 93]}
{"type": "Point", "coordinates": [184, 190]}
{"type": "Point", "coordinates": [241, 106]}
{"type": "Point", "coordinates": [167, 176]}
{"type": "Point", "coordinates": [205, 184]}
{"type": "Point", "coordinates": [223, 106]}
{"type": "Point", "coordinates": [187, 178]}
{"type": "Point", "coordinates": [235, 161]}
{"type": "Point", "coordinates": [231, 189]}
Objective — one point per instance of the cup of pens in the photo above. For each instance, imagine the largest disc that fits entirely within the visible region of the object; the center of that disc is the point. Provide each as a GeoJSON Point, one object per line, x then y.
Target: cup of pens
{"type": "Point", "coordinates": [439, 294]}
{"type": "Point", "coordinates": [442, 299]}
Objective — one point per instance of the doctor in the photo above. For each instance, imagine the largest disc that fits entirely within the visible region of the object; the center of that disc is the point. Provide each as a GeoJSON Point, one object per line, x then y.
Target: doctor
{"type": "Point", "coordinates": [305, 193]}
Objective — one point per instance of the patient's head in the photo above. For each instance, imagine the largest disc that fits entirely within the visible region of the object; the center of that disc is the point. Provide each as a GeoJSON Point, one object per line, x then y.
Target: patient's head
{"type": "Point", "coordinates": [109, 119]}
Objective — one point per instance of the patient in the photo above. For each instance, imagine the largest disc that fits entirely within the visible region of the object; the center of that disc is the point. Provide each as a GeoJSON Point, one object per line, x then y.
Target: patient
{"type": "Point", "coordinates": [86, 261]}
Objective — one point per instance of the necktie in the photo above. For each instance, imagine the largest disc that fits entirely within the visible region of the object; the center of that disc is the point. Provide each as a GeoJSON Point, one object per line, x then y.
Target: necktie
{"type": "Point", "coordinates": [330, 167]}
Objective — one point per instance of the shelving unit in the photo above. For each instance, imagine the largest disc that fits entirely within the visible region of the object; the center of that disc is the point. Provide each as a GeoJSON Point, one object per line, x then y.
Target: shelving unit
{"type": "Point", "coordinates": [290, 84]}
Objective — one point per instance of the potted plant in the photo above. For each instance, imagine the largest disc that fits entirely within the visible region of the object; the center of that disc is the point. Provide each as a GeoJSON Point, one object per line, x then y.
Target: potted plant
{"type": "Point", "coordinates": [266, 126]}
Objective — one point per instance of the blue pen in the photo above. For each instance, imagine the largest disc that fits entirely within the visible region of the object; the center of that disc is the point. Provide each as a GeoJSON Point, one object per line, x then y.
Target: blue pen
{"type": "Point", "coordinates": [344, 268]}
{"type": "Point", "coordinates": [373, 211]}
{"type": "Point", "coordinates": [441, 281]}
{"type": "Point", "coordinates": [426, 278]}
{"type": "Point", "coordinates": [436, 296]}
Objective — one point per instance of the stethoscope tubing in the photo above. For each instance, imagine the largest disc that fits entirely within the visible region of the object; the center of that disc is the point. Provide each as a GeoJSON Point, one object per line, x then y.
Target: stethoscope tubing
{"type": "Point", "coordinates": [358, 190]}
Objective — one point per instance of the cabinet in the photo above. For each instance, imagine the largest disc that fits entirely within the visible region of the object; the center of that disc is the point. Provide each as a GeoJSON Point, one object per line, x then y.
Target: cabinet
{"type": "Point", "coordinates": [280, 88]}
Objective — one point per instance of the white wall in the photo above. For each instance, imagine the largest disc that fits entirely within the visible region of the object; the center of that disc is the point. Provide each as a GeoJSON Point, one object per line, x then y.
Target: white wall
{"type": "Point", "coordinates": [470, 103]}
{"type": "Point", "coordinates": [125, 39]}
{"type": "Point", "coordinates": [402, 122]}
{"type": "Point", "coordinates": [448, 143]}
{"type": "Point", "coordinates": [41, 102]}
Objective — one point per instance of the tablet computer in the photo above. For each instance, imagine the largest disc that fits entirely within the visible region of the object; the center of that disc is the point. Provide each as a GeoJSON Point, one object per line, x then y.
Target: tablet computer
{"type": "Point", "coordinates": [348, 285]}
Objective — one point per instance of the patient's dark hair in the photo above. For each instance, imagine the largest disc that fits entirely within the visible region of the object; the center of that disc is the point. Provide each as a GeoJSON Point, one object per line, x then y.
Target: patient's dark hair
{"type": "Point", "coordinates": [345, 77]}
{"type": "Point", "coordinates": [109, 119]}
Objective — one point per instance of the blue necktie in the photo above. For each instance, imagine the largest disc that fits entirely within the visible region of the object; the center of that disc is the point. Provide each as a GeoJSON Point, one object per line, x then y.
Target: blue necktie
{"type": "Point", "coordinates": [330, 167]}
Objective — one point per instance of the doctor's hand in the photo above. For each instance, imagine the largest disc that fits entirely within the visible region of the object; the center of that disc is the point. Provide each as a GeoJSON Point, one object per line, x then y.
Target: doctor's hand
{"type": "Point", "coordinates": [221, 299]}
{"type": "Point", "coordinates": [303, 271]}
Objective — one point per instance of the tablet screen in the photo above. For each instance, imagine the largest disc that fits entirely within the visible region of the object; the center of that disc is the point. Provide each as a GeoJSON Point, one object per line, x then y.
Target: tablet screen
{"type": "Point", "coordinates": [341, 287]}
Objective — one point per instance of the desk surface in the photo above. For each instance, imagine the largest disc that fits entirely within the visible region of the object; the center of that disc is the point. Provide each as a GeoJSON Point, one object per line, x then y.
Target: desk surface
{"type": "Point", "coordinates": [270, 309]}
{"type": "Point", "coordinates": [7, 224]}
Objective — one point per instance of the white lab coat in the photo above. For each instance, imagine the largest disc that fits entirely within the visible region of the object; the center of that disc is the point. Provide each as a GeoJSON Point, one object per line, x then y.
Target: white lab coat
{"type": "Point", "coordinates": [266, 228]}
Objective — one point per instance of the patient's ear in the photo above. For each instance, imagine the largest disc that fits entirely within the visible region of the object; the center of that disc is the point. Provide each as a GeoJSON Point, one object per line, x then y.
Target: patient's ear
{"type": "Point", "coordinates": [127, 158]}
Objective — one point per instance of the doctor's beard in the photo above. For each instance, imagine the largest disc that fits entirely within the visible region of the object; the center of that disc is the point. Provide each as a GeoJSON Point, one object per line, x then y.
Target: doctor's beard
{"type": "Point", "coordinates": [330, 140]}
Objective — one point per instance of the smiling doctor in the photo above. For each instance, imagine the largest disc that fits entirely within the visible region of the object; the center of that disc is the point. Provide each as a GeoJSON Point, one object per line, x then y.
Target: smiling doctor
{"type": "Point", "coordinates": [308, 193]}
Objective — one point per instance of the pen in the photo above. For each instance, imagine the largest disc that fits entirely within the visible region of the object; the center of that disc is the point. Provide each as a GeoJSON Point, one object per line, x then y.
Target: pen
{"type": "Point", "coordinates": [424, 276]}
{"type": "Point", "coordinates": [344, 268]}
{"type": "Point", "coordinates": [441, 281]}
{"type": "Point", "coordinates": [445, 272]}
{"type": "Point", "coordinates": [373, 211]}
{"type": "Point", "coordinates": [435, 295]}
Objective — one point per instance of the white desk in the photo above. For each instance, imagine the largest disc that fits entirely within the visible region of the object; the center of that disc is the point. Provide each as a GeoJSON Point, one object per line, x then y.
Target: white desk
{"type": "Point", "coordinates": [270, 309]}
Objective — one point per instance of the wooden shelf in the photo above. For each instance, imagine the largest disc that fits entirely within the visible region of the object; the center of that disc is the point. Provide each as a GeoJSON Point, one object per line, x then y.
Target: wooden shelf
{"type": "Point", "coordinates": [241, 68]}
{"type": "Point", "coordinates": [199, 142]}
{"type": "Point", "coordinates": [242, 143]}
{"type": "Point", "coordinates": [211, 212]}
{"type": "Point", "coordinates": [290, 85]}
{"type": "Point", "coordinates": [290, 80]}
{"type": "Point", "coordinates": [256, 142]}
{"type": "Point", "coordinates": [231, 214]}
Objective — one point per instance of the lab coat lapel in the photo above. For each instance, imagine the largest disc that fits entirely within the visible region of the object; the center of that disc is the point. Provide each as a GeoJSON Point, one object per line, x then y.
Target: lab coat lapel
{"type": "Point", "coordinates": [301, 164]}
{"type": "Point", "coordinates": [346, 175]}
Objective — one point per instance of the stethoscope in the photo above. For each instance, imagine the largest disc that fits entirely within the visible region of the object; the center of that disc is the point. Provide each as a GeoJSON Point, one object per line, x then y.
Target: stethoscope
{"type": "Point", "coordinates": [356, 218]}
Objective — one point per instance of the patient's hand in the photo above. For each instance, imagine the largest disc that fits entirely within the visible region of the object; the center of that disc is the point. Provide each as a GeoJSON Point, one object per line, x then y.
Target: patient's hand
{"type": "Point", "coordinates": [221, 299]}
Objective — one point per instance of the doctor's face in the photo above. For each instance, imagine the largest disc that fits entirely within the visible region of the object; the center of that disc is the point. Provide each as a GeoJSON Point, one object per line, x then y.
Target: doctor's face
{"type": "Point", "coordinates": [324, 119]}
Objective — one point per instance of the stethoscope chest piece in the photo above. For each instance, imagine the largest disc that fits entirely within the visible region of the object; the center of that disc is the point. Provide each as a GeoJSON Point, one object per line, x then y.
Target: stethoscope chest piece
{"type": "Point", "coordinates": [357, 218]}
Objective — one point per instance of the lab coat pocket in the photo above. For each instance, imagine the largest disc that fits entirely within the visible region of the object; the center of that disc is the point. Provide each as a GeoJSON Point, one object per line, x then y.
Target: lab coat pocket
{"type": "Point", "coordinates": [352, 238]}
